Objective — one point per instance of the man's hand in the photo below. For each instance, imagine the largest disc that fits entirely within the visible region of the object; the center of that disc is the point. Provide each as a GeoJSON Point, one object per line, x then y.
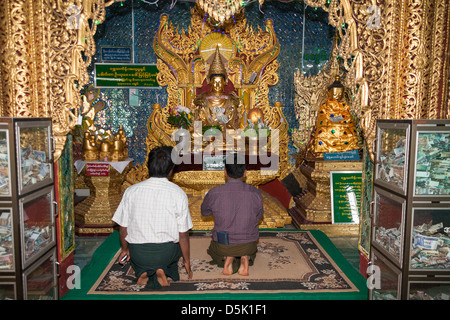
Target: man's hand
{"type": "Point", "coordinates": [123, 254]}
{"type": "Point", "coordinates": [187, 266]}
{"type": "Point", "coordinates": [185, 250]}
{"type": "Point", "coordinates": [123, 232]}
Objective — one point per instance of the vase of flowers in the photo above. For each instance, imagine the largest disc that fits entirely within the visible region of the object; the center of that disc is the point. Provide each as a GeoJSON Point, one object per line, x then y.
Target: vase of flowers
{"type": "Point", "coordinates": [181, 117]}
{"type": "Point", "coordinates": [252, 132]}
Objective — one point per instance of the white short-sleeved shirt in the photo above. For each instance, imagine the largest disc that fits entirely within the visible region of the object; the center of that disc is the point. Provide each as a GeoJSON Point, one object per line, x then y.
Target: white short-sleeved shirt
{"type": "Point", "coordinates": [154, 211]}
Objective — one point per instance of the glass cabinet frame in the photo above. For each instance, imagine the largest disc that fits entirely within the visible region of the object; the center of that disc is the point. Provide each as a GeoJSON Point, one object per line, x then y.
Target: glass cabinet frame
{"type": "Point", "coordinates": [430, 130]}
{"type": "Point", "coordinates": [378, 275]}
{"type": "Point", "coordinates": [8, 283]}
{"type": "Point", "coordinates": [26, 261]}
{"type": "Point", "coordinates": [50, 256]}
{"type": "Point", "coordinates": [4, 226]}
{"type": "Point", "coordinates": [5, 167]}
{"type": "Point", "coordinates": [424, 280]}
{"type": "Point", "coordinates": [35, 158]}
{"type": "Point", "coordinates": [38, 154]}
{"type": "Point", "coordinates": [424, 214]}
{"type": "Point", "coordinates": [390, 237]}
{"type": "Point", "coordinates": [46, 154]}
{"type": "Point", "coordinates": [386, 153]}
{"type": "Point", "coordinates": [432, 243]}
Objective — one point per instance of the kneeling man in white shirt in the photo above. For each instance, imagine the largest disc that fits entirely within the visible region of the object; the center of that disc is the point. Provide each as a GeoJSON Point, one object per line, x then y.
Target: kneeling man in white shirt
{"type": "Point", "coordinates": [154, 222]}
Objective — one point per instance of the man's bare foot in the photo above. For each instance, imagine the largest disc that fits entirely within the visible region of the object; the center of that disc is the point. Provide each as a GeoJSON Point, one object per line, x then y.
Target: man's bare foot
{"type": "Point", "coordinates": [243, 268]}
{"type": "Point", "coordinates": [161, 277]}
{"type": "Point", "coordinates": [143, 279]}
{"type": "Point", "coordinates": [228, 267]}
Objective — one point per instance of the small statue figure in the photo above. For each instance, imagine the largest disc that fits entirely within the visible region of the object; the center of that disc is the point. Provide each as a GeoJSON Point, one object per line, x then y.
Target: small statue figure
{"type": "Point", "coordinates": [117, 148]}
{"type": "Point", "coordinates": [123, 137]}
{"type": "Point", "coordinates": [335, 128]}
{"type": "Point", "coordinates": [90, 147]}
{"type": "Point", "coordinates": [217, 108]}
{"type": "Point", "coordinates": [105, 150]}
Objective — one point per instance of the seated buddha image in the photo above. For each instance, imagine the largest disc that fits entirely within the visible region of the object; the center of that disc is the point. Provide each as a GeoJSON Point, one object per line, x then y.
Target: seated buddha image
{"type": "Point", "coordinates": [335, 127]}
{"type": "Point", "coordinates": [215, 107]}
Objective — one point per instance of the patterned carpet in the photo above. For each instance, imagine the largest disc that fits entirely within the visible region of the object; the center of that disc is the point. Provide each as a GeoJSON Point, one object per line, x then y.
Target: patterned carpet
{"type": "Point", "coordinates": [287, 262]}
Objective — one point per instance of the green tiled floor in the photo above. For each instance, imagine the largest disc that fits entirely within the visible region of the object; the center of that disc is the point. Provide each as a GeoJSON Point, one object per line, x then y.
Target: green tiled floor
{"type": "Point", "coordinates": [348, 246]}
{"type": "Point", "coordinates": [85, 248]}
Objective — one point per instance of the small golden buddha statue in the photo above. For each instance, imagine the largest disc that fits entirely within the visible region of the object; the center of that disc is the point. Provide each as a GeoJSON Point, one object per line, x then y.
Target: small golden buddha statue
{"type": "Point", "coordinates": [217, 108]}
{"type": "Point", "coordinates": [105, 150]}
{"type": "Point", "coordinates": [117, 148]}
{"type": "Point", "coordinates": [90, 147]}
{"type": "Point", "coordinates": [335, 128]}
{"type": "Point", "coordinates": [123, 137]}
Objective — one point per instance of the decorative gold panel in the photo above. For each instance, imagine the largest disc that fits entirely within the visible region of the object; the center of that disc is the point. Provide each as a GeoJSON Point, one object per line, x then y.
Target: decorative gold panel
{"type": "Point", "coordinates": [47, 48]}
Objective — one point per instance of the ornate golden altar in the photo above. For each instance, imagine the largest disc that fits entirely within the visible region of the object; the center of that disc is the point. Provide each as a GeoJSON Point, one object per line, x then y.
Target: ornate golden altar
{"type": "Point", "coordinates": [312, 209]}
{"type": "Point", "coordinates": [93, 215]}
{"type": "Point", "coordinates": [250, 60]}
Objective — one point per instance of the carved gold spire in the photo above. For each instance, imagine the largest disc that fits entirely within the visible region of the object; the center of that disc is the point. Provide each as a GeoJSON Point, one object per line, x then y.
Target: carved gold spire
{"type": "Point", "coordinates": [333, 65]}
{"type": "Point", "coordinates": [217, 66]}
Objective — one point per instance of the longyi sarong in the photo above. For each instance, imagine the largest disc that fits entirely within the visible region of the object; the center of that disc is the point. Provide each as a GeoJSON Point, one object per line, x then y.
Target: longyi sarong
{"type": "Point", "coordinates": [218, 251]}
{"type": "Point", "coordinates": [149, 257]}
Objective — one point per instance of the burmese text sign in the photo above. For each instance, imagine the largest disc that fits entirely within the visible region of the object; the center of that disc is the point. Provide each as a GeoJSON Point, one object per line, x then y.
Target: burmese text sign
{"type": "Point", "coordinates": [345, 196]}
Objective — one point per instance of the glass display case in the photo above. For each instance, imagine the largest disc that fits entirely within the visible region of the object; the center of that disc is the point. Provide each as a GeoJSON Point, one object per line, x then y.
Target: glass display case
{"type": "Point", "coordinates": [41, 279]}
{"type": "Point", "coordinates": [27, 209]}
{"type": "Point", "coordinates": [6, 240]}
{"type": "Point", "coordinates": [430, 240]}
{"type": "Point", "coordinates": [388, 279]}
{"type": "Point", "coordinates": [432, 165]}
{"type": "Point", "coordinates": [411, 204]}
{"type": "Point", "coordinates": [388, 224]}
{"type": "Point", "coordinates": [5, 187]}
{"type": "Point", "coordinates": [8, 291]}
{"type": "Point", "coordinates": [392, 156]}
{"type": "Point", "coordinates": [34, 155]}
{"type": "Point", "coordinates": [37, 216]}
{"type": "Point", "coordinates": [434, 289]}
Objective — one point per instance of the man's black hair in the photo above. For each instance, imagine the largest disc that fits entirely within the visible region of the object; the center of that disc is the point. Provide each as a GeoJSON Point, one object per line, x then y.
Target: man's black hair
{"type": "Point", "coordinates": [235, 165]}
{"type": "Point", "coordinates": [160, 162]}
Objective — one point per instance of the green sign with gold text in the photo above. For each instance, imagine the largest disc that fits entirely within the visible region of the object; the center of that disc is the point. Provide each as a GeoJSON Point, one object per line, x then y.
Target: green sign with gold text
{"type": "Point", "coordinates": [111, 75]}
{"type": "Point", "coordinates": [345, 196]}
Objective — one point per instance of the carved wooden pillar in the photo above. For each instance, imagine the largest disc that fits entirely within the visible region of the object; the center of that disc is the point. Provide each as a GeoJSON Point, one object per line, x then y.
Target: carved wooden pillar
{"type": "Point", "coordinates": [438, 106]}
{"type": "Point", "coordinates": [423, 84]}
{"type": "Point", "coordinates": [415, 49]}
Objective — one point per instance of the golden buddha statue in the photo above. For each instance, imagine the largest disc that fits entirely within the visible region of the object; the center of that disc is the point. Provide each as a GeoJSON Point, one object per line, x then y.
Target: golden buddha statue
{"type": "Point", "coordinates": [335, 128]}
{"type": "Point", "coordinates": [105, 150]}
{"type": "Point", "coordinates": [123, 137]}
{"type": "Point", "coordinates": [118, 148]}
{"type": "Point", "coordinates": [217, 108]}
{"type": "Point", "coordinates": [90, 147]}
